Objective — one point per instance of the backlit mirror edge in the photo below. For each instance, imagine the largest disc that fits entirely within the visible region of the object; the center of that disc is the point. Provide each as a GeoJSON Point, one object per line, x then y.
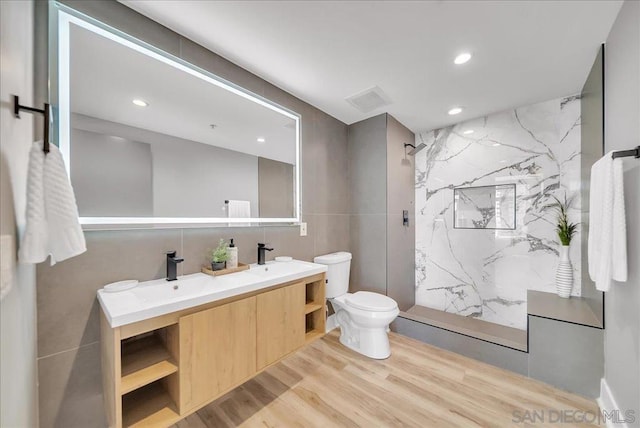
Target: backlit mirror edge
{"type": "Point", "coordinates": [61, 17]}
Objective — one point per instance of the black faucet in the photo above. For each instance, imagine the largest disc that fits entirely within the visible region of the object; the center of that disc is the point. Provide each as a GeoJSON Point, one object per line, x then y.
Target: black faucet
{"type": "Point", "coordinates": [172, 265]}
{"type": "Point", "coordinates": [261, 251]}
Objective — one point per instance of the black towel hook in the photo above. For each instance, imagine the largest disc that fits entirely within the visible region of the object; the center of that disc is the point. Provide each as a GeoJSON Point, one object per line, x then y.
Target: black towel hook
{"type": "Point", "coordinates": [45, 111]}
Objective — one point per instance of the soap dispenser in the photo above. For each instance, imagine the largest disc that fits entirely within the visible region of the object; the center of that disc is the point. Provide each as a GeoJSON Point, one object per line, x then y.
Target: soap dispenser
{"type": "Point", "coordinates": [232, 256]}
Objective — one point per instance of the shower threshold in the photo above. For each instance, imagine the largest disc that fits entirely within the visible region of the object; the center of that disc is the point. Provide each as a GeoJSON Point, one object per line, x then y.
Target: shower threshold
{"type": "Point", "coordinates": [489, 332]}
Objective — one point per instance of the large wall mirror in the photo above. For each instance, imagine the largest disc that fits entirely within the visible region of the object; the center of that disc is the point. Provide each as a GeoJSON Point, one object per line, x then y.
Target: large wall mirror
{"type": "Point", "coordinates": [151, 140]}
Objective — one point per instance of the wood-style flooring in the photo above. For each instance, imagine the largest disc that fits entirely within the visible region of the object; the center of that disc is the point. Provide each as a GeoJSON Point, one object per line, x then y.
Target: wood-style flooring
{"type": "Point", "coordinates": [328, 385]}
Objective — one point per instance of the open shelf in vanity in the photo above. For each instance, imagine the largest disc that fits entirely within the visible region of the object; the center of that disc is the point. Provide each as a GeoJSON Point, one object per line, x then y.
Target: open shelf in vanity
{"type": "Point", "coordinates": [145, 359]}
{"type": "Point", "coordinates": [315, 309]}
{"type": "Point", "coordinates": [149, 380]}
{"type": "Point", "coordinates": [150, 405]}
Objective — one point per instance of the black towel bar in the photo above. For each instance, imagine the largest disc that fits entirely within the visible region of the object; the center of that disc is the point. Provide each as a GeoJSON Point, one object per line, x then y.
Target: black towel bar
{"type": "Point", "coordinates": [626, 153]}
{"type": "Point", "coordinates": [45, 111]}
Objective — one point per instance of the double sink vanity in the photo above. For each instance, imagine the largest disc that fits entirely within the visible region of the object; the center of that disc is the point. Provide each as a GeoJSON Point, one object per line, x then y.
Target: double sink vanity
{"type": "Point", "coordinates": [171, 347]}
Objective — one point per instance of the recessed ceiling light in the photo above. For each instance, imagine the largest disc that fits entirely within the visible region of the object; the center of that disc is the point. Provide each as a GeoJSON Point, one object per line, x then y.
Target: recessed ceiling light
{"type": "Point", "coordinates": [468, 131]}
{"type": "Point", "coordinates": [140, 103]}
{"type": "Point", "coordinates": [455, 110]}
{"type": "Point", "coordinates": [261, 140]}
{"type": "Point", "coordinates": [496, 144]}
{"type": "Point", "coordinates": [462, 58]}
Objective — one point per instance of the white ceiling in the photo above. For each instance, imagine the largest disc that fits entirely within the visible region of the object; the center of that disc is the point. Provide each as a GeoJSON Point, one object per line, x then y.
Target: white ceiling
{"type": "Point", "coordinates": [326, 51]}
{"type": "Point", "coordinates": [106, 76]}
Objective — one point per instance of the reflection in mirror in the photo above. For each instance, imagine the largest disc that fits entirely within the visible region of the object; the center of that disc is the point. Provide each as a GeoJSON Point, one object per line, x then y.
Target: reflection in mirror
{"type": "Point", "coordinates": [485, 207]}
{"type": "Point", "coordinates": [151, 139]}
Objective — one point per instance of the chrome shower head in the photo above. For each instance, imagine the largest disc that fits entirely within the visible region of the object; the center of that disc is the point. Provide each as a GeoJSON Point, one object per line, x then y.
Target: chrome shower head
{"type": "Point", "coordinates": [414, 149]}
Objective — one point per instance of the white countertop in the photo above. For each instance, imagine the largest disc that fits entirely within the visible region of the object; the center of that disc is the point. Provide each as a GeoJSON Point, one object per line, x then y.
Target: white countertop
{"type": "Point", "coordinates": [159, 297]}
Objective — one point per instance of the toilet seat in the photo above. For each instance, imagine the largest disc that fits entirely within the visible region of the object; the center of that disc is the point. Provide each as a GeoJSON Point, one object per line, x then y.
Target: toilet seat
{"type": "Point", "coordinates": [373, 302]}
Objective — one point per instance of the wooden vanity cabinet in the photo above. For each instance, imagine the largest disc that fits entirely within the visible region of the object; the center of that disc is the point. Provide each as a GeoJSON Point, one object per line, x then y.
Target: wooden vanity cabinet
{"type": "Point", "coordinates": [280, 323]}
{"type": "Point", "coordinates": [159, 370]}
{"type": "Point", "coordinates": [217, 351]}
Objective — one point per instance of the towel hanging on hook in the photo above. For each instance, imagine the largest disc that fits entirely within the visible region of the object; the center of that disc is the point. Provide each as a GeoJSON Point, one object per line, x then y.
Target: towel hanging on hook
{"type": "Point", "coordinates": [45, 111]}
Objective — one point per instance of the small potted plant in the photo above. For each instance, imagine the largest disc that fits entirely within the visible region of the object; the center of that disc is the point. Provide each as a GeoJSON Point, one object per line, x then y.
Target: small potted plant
{"type": "Point", "coordinates": [218, 257]}
{"type": "Point", "coordinates": [566, 231]}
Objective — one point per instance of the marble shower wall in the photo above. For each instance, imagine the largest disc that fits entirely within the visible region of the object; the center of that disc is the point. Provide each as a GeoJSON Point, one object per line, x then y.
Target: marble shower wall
{"type": "Point", "coordinates": [485, 273]}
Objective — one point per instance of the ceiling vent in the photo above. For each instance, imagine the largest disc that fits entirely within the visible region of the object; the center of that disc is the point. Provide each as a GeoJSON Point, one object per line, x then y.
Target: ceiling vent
{"type": "Point", "coordinates": [369, 99]}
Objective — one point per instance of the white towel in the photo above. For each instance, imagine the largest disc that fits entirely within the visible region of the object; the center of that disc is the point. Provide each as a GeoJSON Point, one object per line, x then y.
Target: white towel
{"type": "Point", "coordinates": [34, 247]}
{"type": "Point", "coordinates": [53, 226]}
{"type": "Point", "coordinates": [239, 209]}
{"type": "Point", "coordinates": [607, 226]}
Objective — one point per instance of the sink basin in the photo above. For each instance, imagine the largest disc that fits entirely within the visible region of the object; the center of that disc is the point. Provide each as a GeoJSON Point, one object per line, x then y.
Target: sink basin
{"type": "Point", "coordinates": [158, 297]}
{"type": "Point", "coordinates": [157, 291]}
{"type": "Point", "coordinates": [276, 269]}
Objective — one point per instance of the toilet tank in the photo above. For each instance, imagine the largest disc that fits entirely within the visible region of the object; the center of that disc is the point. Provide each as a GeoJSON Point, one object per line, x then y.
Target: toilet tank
{"type": "Point", "coordinates": [338, 267]}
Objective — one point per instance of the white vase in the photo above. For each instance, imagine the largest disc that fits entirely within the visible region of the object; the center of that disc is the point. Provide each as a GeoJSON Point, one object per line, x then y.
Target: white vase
{"type": "Point", "coordinates": [564, 273]}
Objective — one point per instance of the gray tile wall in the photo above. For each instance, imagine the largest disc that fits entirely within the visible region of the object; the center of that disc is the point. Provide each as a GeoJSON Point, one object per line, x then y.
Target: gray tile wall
{"type": "Point", "coordinates": [401, 242]}
{"type": "Point", "coordinates": [368, 204]}
{"type": "Point", "coordinates": [381, 184]}
{"type": "Point", "coordinates": [68, 329]}
{"type": "Point", "coordinates": [566, 355]}
{"type": "Point", "coordinates": [275, 188]}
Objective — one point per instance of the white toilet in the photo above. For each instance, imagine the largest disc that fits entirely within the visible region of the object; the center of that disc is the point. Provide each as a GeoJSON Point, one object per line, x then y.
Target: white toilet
{"type": "Point", "coordinates": [363, 317]}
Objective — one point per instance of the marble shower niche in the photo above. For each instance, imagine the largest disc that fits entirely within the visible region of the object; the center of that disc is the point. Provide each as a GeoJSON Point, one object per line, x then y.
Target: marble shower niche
{"type": "Point", "coordinates": [479, 256]}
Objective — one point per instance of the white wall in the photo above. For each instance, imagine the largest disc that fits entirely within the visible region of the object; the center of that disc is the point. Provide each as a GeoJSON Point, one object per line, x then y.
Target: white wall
{"type": "Point", "coordinates": [188, 179]}
{"type": "Point", "coordinates": [18, 373]}
{"type": "Point", "coordinates": [622, 131]}
{"type": "Point", "coordinates": [193, 180]}
{"type": "Point", "coordinates": [111, 176]}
